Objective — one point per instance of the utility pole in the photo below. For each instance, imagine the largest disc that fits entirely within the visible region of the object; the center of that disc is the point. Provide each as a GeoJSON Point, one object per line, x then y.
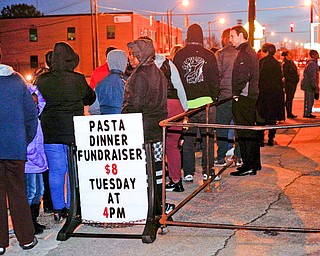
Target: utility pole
{"type": "Point", "coordinates": [251, 19]}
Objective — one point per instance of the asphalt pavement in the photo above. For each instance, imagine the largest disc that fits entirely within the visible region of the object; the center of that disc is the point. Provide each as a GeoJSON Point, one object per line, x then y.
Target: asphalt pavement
{"type": "Point", "coordinates": [285, 193]}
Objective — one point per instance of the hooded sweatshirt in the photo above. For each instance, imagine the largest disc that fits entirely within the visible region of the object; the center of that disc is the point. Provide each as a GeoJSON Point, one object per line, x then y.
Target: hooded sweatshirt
{"type": "Point", "coordinates": [146, 90]}
{"type": "Point", "coordinates": [66, 92]}
{"type": "Point", "coordinates": [18, 115]}
{"type": "Point", "coordinates": [110, 90]}
{"type": "Point", "coordinates": [198, 69]}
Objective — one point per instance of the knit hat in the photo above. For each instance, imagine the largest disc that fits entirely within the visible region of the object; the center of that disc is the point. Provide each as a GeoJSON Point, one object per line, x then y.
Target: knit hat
{"type": "Point", "coordinates": [195, 34]}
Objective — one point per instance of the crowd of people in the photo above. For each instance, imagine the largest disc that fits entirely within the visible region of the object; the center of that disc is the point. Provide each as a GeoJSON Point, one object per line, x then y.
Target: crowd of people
{"type": "Point", "coordinates": [37, 121]}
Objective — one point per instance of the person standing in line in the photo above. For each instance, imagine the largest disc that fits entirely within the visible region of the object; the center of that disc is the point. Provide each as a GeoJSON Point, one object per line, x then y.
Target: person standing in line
{"type": "Point", "coordinates": [109, 90]}
{"type": "Point", "coordinates": [18, 126]}
{"type": "Point", "coordinates": [225, 59]}
{"type": "Point", "coordinates": [270, 104]}
{"type": "Point", "coordinates": [36, 164]}
{"type": "Point", "coordinates": [102, 71]}
{"type": "Point", "coordinates": [176, 104]}
{"type": "Point", "coordinates": [291, 79]}
{"type": "Point", "coordinates": [310, 83]}
{"type": "Point", "coordinates": [199, 74]}
{"type": "Point", "coordinates": [245, 82]}
{"type": "Point", "coordinates": [146, 93]}
{"type": "Point", "coordinates": [47, 201]}
{"type": "Point", "coordinates": [66, 92]}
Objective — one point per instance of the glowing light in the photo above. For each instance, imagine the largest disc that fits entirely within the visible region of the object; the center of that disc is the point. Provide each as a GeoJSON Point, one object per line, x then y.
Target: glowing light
{"type": "Point", "coordinates": [185, 3]}
{"type": "Point", "coordinates": [29, 78]}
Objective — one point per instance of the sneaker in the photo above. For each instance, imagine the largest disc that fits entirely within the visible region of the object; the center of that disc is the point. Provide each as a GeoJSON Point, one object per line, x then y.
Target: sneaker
{"type": "Point", "coordinates": [188, 178]}
{"type": "Point", "coordinates": [30, 245]}
{"type": "Point", "coordinates": [2, 250]}
{"type": "Point", "coordinates": [205, 177]}
{"type": "Point", "coordinates": [169, 207]}
{"type": "Point", "coordinates": [239, 162]}
{"type": "Point", "coordinates": [175, 187]}
{"type": "Point", "coordinates": [221, 163]}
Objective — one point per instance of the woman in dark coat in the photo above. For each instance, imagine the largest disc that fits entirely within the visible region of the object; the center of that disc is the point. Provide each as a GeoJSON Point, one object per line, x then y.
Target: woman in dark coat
{"type": "Point", "coordinates": [270, 105]}
{"type": "Point", "coordinates": [66, 93]}
{"type": "Point", "coordinates": [291, 79]}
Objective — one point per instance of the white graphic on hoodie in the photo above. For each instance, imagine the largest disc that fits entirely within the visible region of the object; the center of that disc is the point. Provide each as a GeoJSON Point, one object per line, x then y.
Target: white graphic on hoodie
{"type": "Point", "coordinates": [194, 69]}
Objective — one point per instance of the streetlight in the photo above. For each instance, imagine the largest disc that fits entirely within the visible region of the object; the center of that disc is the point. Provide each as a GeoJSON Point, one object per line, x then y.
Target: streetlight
{"type": "Point", "coordinates": [221, 21]}
{"type": "Point", "coordinates": [169, 19]}
{"type": "Point", "coordinates": [310, 3]}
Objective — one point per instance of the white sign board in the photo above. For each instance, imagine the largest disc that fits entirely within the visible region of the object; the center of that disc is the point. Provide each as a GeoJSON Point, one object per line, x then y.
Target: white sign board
{"type": "Point", "coordinates": [111, 167]}
{"type": "Point", "coordinates": [122, 19]}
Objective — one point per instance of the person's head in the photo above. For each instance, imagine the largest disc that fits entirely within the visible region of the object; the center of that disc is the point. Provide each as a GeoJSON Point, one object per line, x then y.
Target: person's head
{"type": "Point", "coordinates": [117, 59]}
{"type": "Point", "coordinates": [195, 34]}
{"type": "Point", "coordinates": [140, 51]}
{"type": "Point", "coordinates": [238, 35]}
{"type": "Point", "coordinates": [48, 57]}
{"type": "Point", "coordinates": [269, 49]}
{"type": "Point", "coordinates": [225, 37]}
{"type": "Point", "coordinates": [287, 55]}
{"type": "Point", "coordinates": [174, 50]}
{"type": "Point", "coordinates": [64, 58]}
{"type": "Point", "coordinates": [109, 49]}
{"type": "Point", "coordinates": [35, 98]}
{"type": "Point", "coordinates": [314, 54]}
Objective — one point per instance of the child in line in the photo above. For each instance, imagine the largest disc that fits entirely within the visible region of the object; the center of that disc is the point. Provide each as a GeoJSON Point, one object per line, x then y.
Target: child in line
{"type": "Point", "coordinates": [36, 164]}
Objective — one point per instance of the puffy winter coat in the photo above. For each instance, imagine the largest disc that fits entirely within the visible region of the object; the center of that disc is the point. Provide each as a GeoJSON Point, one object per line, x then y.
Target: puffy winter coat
{"type": "Point", "coordinates": [66, 92]}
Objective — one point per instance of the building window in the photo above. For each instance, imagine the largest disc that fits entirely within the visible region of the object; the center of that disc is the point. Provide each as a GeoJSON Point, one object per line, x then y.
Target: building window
{"type": "Point", "coordinates": [33, 35]}
{"type": "Point", "coordinates": [34, 61]}
{"type": "Point", "coordinates": [71, 33]}
{"type": "Point", "coordinates": [111, 34]}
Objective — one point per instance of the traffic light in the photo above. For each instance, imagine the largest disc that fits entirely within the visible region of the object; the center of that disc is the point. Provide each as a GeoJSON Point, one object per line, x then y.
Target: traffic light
{"type": "Point", "coordinates": [291, 27]}
{"type": "Point", "coordinates": [263, 29]}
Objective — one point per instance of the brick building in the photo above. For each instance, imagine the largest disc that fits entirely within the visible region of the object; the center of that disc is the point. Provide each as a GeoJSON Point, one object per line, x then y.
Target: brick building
{"type": "Point", "coordinates": [24, 41]}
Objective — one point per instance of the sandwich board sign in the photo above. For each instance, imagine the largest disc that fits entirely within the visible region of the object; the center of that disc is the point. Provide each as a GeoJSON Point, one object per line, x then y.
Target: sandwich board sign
{"type": "Point", "coordinates": [111, 167]}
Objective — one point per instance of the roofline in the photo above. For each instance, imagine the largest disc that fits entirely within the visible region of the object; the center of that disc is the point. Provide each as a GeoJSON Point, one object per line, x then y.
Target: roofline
{"type": "Point", "coordinates": [63, 15]}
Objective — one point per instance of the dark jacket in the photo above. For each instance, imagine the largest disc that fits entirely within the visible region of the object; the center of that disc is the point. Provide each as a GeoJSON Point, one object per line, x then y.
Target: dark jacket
{"type": "Point", "coordinates": [66, 92]}
{"type": "Point", "coordinates": [290, 73]}
{"type": "Point", "coordinates": [198, 69]}
{"type": "Point", "coordinates": [146, 90]}
{"type": "Point", "coordinates": [19, 119]}
{"type": "Point", "coordinates": [245, 75]}
{"type": "Point", "coordinates": [225, 59]}
{"type": "Point", "coordinates": [310, 81]}
{"type": "Point", "coordinates": [270, 103]}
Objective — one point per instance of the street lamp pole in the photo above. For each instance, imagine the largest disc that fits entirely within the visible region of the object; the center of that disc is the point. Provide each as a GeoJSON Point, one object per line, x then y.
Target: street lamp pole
{"type": "Point", "coordinates": [221, 21]}
{"type": "Point", "coordinates": [311, 21]}
{"type": "Point", "coordinates": [169, 20]}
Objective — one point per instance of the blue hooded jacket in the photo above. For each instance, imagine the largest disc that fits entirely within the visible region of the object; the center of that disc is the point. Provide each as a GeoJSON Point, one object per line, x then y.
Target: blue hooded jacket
{"type": "Point", "coordinates": [18, 115]}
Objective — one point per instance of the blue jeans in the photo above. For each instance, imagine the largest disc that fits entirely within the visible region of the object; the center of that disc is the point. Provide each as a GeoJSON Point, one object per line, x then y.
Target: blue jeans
{"type": "Point", "coordinates": [225, 116]}
{"type": "Point", "coordinates": [57, 155]}
{"type": "Point", "coordinates": [34, 187]}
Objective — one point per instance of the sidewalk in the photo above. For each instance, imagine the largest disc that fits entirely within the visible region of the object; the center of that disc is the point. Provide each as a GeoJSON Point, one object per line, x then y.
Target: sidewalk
{"type": "Point", "coordinates": [285, 193]}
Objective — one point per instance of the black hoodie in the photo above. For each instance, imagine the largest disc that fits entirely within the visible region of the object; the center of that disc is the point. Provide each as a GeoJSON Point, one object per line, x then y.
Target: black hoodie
{"type": "Point", "coordinates": [66, 92]}
{"type": "Point", "coordinates": [198, 69]}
